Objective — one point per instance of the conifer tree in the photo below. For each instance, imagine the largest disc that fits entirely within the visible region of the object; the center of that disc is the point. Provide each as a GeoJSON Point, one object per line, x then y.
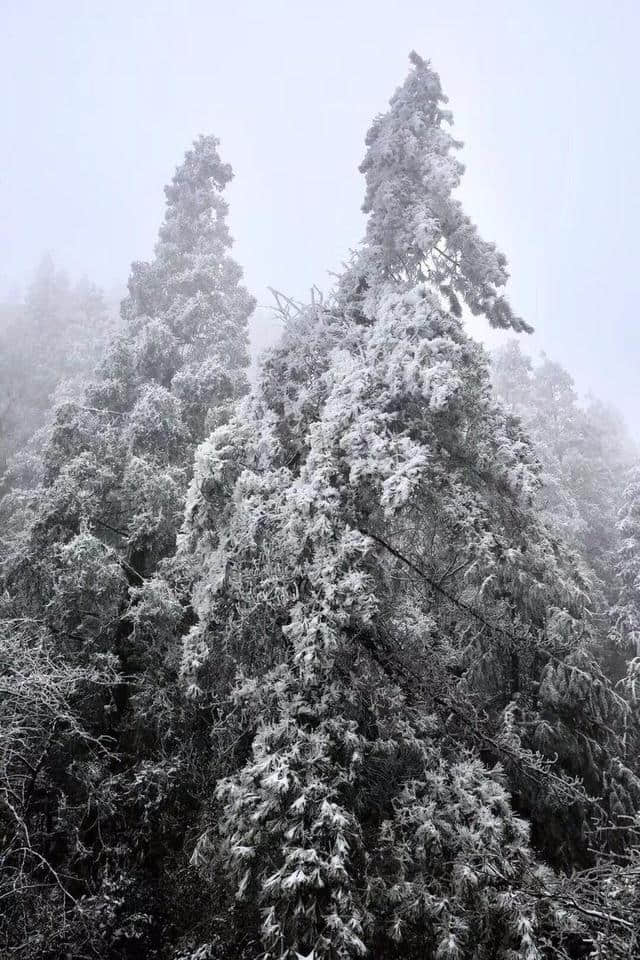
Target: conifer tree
{"type": "Point", "coordinates": [56, 335]}
{"type": "Point", "coordinates": [584, 451]}
{"type": "Point", "coordinates": [396, 651]}
{"type": "Point", "coordinates": [626, 611]}
{"type": "Point", "coordinates": [80, 545]}
{"type": "Point", "coordinates": [116, 463]}
{"type": "Point", "coordinates": [416, 229]}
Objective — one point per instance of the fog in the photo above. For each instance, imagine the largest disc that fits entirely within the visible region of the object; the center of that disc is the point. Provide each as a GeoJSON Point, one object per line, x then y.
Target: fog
{"type": "Point", "coordinates": [100, 103]}
{"type": "Point", "coordinates": [337, 655]}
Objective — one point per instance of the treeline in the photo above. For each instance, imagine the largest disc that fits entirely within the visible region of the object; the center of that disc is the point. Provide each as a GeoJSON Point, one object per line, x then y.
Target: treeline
{"type": "Point", "coordinates": [341, 666]}
{"type": "Point", "coordinates": [49, 339]}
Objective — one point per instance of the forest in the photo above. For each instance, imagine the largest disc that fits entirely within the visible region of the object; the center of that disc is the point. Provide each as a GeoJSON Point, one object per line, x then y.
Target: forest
{"type": "Point", "coordinates": [336, 661]}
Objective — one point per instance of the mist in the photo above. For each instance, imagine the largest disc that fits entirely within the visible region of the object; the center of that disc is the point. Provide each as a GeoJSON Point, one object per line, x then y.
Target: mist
{"type": "Point", "coordinates": [319, 482]}
{"type": "Point", "coordinates": [100, 103]}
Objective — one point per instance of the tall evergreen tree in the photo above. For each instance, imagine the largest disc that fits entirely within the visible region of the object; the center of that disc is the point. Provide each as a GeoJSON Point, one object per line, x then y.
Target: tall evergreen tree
{"type": "Point", "coordinates": [388, 641]}
{"type": "Point", "coordinates": [79, 546]}
{"type": "Point", "coordinates": [117, 460]}
{"type": "Point", "coordinates": [416, 229]}
{"type": "Point", "coordinates": [392, 736]}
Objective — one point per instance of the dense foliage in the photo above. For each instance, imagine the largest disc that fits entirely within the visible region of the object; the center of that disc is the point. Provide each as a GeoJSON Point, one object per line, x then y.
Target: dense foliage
{"type": "Point", "coordinates": [79, 545]}
{"type": "Point", "coordinates": [584, 451]}
{"type": "Point", "coordinates": [323, 671]}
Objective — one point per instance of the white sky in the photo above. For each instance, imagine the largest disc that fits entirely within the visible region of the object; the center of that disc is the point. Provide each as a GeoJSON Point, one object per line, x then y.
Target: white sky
{"type": "Point", "coordinates": [101, 99]}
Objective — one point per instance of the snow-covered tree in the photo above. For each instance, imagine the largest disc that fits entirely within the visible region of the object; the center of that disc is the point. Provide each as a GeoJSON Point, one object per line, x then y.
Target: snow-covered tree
{"type": "Point", "coordinates": [56, 335]}
{"type": "Point", "coordinates": [47, 752]}
{"type": "Point", "coordinates": [627, 608]}
{"type": "Point", "coordinates": [584, 451]}
{"type": "Point", "coordinates": [80, 545]}
{"type": "Point", "coordinates": [326, 642]}
{"type": "Point", "coordinates": [117, 457]}
{"type": "Point", "coordinates": [417, 230]}
{"type": "Point", "coordinates": [395, 653]}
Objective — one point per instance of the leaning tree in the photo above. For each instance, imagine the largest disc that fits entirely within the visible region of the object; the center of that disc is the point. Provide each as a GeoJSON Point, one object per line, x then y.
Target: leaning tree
{"type": "Point", "coordinates": [396, 654]}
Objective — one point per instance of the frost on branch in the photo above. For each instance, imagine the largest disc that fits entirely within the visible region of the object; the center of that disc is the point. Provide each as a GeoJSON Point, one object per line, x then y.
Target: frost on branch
{"type": "Point", "coordinates": [416, 229]}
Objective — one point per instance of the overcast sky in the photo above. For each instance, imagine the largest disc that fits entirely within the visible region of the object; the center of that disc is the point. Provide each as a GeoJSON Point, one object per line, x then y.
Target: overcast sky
{"type": "Point", "coordinates": [101, 99]}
